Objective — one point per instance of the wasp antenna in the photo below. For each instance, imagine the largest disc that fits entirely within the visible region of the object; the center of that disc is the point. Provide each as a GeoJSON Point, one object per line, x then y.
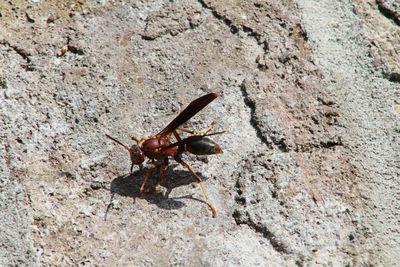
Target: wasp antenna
{"type": "Point", "coordinates": [214, 133]}
{"type": "Point", "coordinates": [118, 142]}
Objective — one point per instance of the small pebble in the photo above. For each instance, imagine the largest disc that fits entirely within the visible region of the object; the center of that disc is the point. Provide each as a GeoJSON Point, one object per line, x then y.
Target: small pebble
{"type": "Point", "coordinates": [95, 185]}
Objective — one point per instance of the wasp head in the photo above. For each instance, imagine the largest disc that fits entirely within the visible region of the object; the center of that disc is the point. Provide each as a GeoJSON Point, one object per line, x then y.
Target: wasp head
{"type": "Point", "coordinates": [137, 156]}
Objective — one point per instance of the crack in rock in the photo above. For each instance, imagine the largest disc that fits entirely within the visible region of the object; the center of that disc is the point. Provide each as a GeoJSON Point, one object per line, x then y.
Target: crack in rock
{"type": "Point", "coordinates": [236, 28]}
{"type": "Point", "coordinates": [250, 103]}
{"type": "Point", "coordinates": [277, 244]}
{"type": "Point", "coordinates": [390, 9]}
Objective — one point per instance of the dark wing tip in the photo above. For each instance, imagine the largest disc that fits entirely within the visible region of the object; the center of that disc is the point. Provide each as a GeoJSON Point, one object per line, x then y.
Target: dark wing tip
{"type": "Point", "coordinates": [214, 95]}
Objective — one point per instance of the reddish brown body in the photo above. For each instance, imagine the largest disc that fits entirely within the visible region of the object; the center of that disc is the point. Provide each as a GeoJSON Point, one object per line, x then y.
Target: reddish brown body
{"type": "Point", "coordinates": [159, 147]}
{"type": "Point", "coordinates": [153, 148]}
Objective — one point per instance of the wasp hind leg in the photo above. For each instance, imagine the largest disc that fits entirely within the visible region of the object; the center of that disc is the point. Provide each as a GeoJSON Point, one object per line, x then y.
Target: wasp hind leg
{"type": "Point", "coordinates": [200, 183]}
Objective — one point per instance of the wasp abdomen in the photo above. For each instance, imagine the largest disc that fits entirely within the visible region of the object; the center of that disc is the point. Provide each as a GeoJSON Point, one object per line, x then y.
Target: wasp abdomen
{"type": "Point", "coordinates": [203, 146]}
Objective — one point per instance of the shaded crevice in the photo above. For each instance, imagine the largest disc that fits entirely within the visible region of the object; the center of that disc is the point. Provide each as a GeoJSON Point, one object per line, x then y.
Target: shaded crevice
{"type": "Point", "coordinates": [23, 53]}
{"type": "Point", "coordinates": [233, 28]}
{"type": "Point", "coordinates": [393, 77]}
{"type": "Point", "coordinates": [75, 50]}
{"type": "Point", "coordinates": [277, 244]}
{"type": "Point", "coordinates": [240, 213]}
{"type": "Point", "coordinates": [309, 147]}
{"type": "Point", "coordinates": [250, 103]}
{"type": "Point", "coordinates": [20, 51]}
{"type": "Point", "coordinates": [26, 56]}
{"type": "Point", "coordinates": [149, 38]}
{"type": "Point", "coordinates": [70, 48]}
{"type": "Point", "coordinates": [272, 141]}
{"type": "Point", "coordinates": [390, 12]}
{"type": "Point", "coordinates": [331, 144]}
{"type": "Point", "coordinates": [236, 28]}
{"type": "Point", "coordinates": [279, 143]}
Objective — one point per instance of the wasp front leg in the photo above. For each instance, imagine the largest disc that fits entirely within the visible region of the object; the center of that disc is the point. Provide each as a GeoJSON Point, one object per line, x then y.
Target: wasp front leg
{"type": "Point", "coordinates": [148, 174]}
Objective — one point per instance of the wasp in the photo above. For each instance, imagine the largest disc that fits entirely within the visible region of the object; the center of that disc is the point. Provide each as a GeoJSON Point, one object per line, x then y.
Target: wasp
{"type": "Point", "coordinates": [159, 148]}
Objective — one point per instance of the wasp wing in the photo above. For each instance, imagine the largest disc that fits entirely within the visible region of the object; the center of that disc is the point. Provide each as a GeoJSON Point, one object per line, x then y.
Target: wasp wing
{"type": "Point", "coordinates": [192, 139]}
{"type": "Point", "coordinates": [183, 141]}
{"type": "Point", "coordinates": [192, 109]}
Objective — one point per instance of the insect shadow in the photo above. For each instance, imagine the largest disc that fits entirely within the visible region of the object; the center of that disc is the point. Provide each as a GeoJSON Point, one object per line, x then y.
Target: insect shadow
{"type": "Point", "coordinates": [129, 186]}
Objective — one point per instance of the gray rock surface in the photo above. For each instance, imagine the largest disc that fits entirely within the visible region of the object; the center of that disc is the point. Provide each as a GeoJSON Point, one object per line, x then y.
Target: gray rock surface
{"type": "Point", "coordinates": [309, 99]}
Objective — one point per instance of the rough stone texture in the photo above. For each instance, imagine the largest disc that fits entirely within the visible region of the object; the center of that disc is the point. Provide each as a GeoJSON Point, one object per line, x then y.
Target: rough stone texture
{"type": "Point", "coordinates": [308, 96]}
{"type": "Point", "coordinates": [383, 33]}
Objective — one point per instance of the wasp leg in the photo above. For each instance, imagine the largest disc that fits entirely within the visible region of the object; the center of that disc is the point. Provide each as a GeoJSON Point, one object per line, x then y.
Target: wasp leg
{"type": "Point", "coordinates": [148, 173]}
{"type": "Point", "coordinates": [132, 167]}
{"type": "Point", "coordinates": [163, 171]}
{"type": "Point", "coordinates": [200, 132]}
{"type": "Point", "coordinates": [176, 135]}
{"type": "Point", "coordinates": [200, 183]}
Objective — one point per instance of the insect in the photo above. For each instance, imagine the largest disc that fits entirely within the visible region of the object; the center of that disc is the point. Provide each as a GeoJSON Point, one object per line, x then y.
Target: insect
{"type": "Point", "coordinates": [159, 147]}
